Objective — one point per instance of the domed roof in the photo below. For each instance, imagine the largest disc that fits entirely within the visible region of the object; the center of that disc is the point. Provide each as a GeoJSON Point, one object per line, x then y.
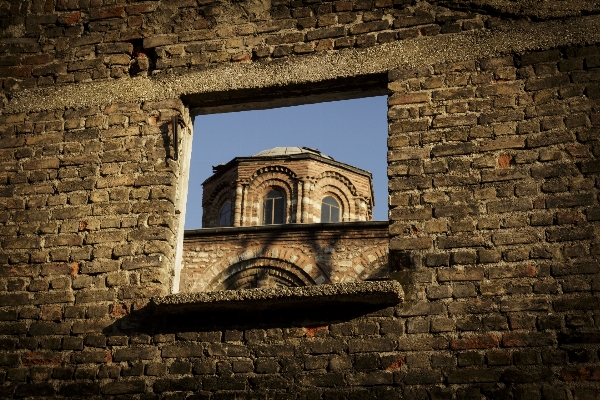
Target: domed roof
{"type": "Point", "coordinates": [288, 151]}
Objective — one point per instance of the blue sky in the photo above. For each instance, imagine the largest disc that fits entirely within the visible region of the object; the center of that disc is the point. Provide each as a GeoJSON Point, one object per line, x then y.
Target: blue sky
{"type": "Point", "coordinates": [351, 131]}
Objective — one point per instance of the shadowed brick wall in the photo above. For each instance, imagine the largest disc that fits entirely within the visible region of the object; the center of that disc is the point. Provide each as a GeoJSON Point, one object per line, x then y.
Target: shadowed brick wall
{"type": "Point", "coordinates": [494, 180]}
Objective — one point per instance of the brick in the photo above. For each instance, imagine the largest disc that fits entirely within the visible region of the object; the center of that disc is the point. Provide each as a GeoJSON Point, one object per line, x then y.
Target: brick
{"type": "Point", "coordinates": [581, 267]}
{"type": "Point", "coordinates": [188, 350]}
{"type": "Point", "coordinates": [53, 297]}
{"type": "Point", "coordinates": [420, 308]}
{"type": "Point", "coordinates": [453, 94]}
{"type": "Point", "coordinates": [471, 240]}
{"type": "Point", "coordinates": [475, 342]}
{"type": "Point", "coordinates": [99, 266]}
{"type": "Point", "coordinates": [421, 18]}
{"type": "Point", "coordinates": [22, 243]}
{"type": "Point", "coordinates": [324, 346]}
{"type": "Point", "coordinates": [136, 353]}
{"type": "Point", "coordinates": [410, 243]}
{"type": "Point", "coordinates": [453, 149]}
{"type": "Point", "coordinates": [522, 271]}
{"type": "Point", "coordinates": [514, 375]}
{"type": "Point", "coordinates": [124, 387]}
{"type": "Point", "coordinates": [407, 98]}
{"type": "Point", "coordinates": [409, 126]}
{"type": "Point", "coordinates": [455, 211]}
{"type": "Point", "coordinates": [473, 376]}
{"type": "Point", "coordinates": [175, 385]}
{"type": "Point", "coordinates": [368, 27]}
{"type": "Point", "coordinates": [548, 138]}
{"type": "Point", "coordinates": [94, 295]}
{"type": "Point", "coordinates": [427, 343]}
{"type": "Point", "coordinates": [570, 200]}
{"type": "Point", "coordinates": [454, 120]}
{"type": "Point", "coordinates": [525, 304]}
{"type": "Point", "coordinates": [500, 175]}
{"type": "Point", "coordinates": [521, 339]}
{"type": "Point", "coordinates": [514, 237]}
{"type": "Point", "coordinates": [370, 345]}
{"type": "Point", "coordinates": [571, 304]}
{"type": "Point", "coordinates": [325, 33]}
{"type": "Point", "coordinates": [590, 373]}
{"type": "Point", "coordinates": [503, 206]}
{"type": "Point", "coordinates": [460, 274]}
{"type": "Point", "coordinates": [502, 143]}
{"type": "Point", "coordinates": [472, 306]}
{"type": "Point", "coordinates": [569, 234]}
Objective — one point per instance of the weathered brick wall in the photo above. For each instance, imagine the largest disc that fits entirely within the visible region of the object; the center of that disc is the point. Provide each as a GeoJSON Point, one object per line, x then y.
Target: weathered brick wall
{"type": "Point", "coordinates": [493, 206]}
{"type": "Point", "coordinates": [98, 40]}
{"type": "Point", "coordinates": [494, 196]}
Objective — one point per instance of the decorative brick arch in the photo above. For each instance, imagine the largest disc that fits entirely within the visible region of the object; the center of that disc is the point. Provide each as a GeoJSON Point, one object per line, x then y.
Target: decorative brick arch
{"type": "Point", "coordinates": [217, 199]}
{"type": "Point", "coordinates": [273, 168]}
{"type": "Point", "coordinates": [336, 176]}
{"type": "Point", "coordinates": [340, 195]}
{"type": "Point", "coordinates": [331, 182]}
{"type": "Point", "coordinates": [241, 274]}
{"type": "Point", "coordinates": [262, 182]}
{"type": "Point", "coordinates": [290, 260]}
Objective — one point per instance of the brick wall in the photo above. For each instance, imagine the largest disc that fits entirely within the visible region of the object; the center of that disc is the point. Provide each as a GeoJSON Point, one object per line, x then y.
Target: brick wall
{"type": "Point", "coordinates": [321, 253]}
{"type": "Point", "coordinates": [493, 168]}
{"type": "Point", "coordinates": [494, 184]}
{"type": "Point", "coordinates": [98, 40]}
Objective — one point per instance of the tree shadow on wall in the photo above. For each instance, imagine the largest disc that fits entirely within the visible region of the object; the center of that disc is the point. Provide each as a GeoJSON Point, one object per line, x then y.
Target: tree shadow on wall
{"type": "Point", "coordinates": [322, 250]}
{"type": "Point", "coordinates": [242, 315]}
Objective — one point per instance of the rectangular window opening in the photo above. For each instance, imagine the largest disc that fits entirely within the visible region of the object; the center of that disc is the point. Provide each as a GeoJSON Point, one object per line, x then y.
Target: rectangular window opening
{"type": "Point", "coordinates": [313, 145]}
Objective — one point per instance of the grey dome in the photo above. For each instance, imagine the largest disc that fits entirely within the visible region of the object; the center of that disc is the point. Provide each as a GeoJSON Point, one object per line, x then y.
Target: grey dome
{"type": "Point", "coordinates": [287, 151]}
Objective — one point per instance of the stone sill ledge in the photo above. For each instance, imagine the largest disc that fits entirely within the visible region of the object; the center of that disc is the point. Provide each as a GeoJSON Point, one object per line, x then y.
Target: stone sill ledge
{"type": "Point", "coordinates": [382, 293]}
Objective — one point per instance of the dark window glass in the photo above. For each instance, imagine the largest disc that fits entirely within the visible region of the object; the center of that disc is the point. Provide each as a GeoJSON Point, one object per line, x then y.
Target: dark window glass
{"type": "Point", "coordinates": [274, 208]}
{"type": "Point", "coordinates": [330, 210]}
{"type": "Point", "coordinates": [225, 216]}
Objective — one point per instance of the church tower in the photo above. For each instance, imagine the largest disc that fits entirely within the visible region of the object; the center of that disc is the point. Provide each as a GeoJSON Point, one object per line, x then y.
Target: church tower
{"type": "Point", "coordinates": [286, 185]}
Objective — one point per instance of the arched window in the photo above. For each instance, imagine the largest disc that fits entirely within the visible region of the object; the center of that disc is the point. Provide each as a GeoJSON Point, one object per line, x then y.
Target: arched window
{"type": "Point", "coordinates": [330, 210]}
{"type": "Point", "coordinates": [225, 215]}
{"type": "Point", "coordinates": [274, 208]}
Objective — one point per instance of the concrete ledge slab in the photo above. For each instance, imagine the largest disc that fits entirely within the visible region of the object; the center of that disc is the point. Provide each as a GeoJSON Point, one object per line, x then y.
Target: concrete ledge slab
{"type": "Point", "coordinates": [384, 293]}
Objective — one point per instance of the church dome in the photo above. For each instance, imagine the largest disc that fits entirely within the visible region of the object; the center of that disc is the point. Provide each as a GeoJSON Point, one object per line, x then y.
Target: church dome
{"type": "Point", "coordinates": [288, 151]}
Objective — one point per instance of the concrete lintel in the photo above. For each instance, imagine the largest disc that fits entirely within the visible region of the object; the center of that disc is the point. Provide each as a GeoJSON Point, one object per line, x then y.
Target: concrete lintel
{"type": "Point", "coordinates": [514, 37]}
{"type": "Point", "coordinates": [384, 293]}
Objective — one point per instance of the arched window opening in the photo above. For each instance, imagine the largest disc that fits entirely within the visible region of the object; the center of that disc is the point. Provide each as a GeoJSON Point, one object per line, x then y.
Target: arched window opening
{"type": "Point", "coordinates": [273, 208]}
{"type": "Point", "coordinates": [330, 210]}
{"type": "Point", "coordinates": [225, 215]}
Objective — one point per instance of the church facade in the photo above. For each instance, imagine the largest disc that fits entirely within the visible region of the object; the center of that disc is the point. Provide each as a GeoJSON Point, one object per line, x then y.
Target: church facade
{"type": "Point", "coordinates": [287, 216]}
